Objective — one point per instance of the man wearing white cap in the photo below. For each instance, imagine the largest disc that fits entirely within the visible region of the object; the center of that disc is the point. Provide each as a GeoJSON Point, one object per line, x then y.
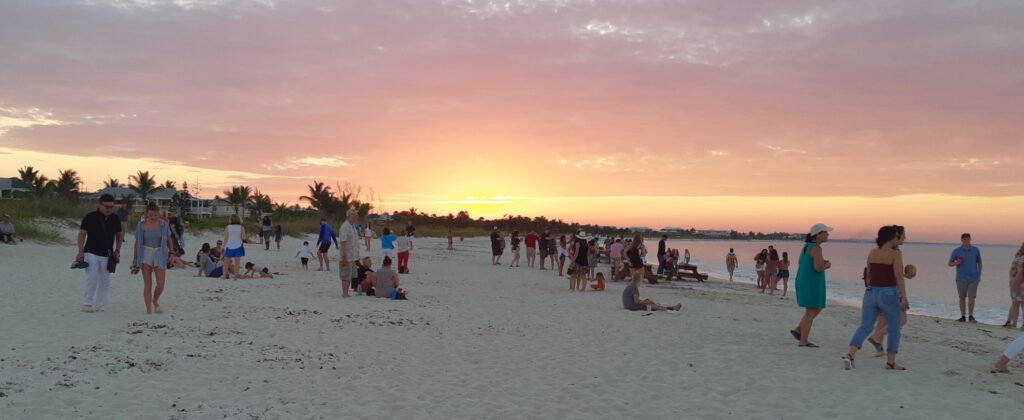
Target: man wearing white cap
{"type": "Point", "coordinates": [349, 247]}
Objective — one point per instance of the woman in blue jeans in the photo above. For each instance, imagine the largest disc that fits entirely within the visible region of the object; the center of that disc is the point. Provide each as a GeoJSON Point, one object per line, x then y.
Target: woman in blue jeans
{"type": "Point", "coordinates": [886, 294]}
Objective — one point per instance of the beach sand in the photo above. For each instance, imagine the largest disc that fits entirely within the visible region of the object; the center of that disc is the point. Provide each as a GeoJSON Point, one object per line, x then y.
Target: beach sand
{"type": "Point", "coordinates": [472, 341]}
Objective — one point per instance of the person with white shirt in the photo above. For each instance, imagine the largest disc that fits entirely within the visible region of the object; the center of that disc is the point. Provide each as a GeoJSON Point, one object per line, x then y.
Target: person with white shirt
{"type": "Point", "coordinates": [402, 246]}
{"type": "Point", "coordinates": [304, 255]}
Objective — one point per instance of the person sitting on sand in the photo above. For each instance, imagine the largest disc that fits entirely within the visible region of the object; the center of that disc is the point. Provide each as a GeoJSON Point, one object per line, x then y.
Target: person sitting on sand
{"type": "Point", "coordinates": [7, 230]}
{"type": "Point", "coordinates": [365, 277]}
{"type": "Point", "coordinates": [631, 299]}
{"type": "Point", "coordinates": [252, 270]}
{"type": "Point", "coordinates": [208, 268]}
{"type": "Point", "coordinates": [599, 278]}
{"type": "Point", "coordinates": [387, 280]}
{"type": "Point", "coordinates": [217, 251]}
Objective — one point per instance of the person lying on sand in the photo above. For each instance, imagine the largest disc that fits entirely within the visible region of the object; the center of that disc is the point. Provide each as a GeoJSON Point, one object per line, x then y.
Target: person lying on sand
{"type": "Point", "coordinates": [631, 300]}
{"type": "Point", "coordinates": [253, 270]}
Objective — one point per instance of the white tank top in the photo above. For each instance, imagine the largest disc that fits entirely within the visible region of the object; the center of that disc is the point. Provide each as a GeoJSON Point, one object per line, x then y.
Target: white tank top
{"type": "Point", "coordinates": [234, 237]}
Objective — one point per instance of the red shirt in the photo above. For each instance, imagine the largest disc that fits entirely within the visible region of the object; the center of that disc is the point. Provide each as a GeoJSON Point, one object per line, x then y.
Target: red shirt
{"type": "Point", "coordinates": [531, 240]}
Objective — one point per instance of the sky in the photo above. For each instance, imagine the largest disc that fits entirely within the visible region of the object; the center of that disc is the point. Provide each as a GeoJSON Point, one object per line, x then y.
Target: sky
{"type": "Point", "coordinates": [740, 114]}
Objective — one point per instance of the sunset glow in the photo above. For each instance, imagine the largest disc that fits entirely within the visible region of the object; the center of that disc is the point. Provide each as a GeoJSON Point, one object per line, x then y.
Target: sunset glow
{"type": "Point", "coordinates": [752, 116]}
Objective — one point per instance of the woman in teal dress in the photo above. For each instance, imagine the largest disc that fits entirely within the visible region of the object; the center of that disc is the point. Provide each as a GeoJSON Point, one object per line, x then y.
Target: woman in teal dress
{"type": "Point", "coordinates": [810, 282]}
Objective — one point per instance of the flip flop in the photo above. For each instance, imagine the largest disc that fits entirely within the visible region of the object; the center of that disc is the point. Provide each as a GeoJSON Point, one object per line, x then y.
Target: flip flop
{"type": "Point", "coordinates": [810, 345]}
{"type": "Point", "coordinates": [795, 334]}
{"type": "Point", "coordinates": [893, 366]}
{"type": "Point", "coordinates": [848, 362]}
{"type": "Point", "coordinates": [1003, 370]}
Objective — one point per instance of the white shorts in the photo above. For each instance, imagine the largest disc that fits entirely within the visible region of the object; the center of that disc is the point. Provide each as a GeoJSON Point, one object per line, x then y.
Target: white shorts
{"type": "Point", "coordinates": [149, 257]}
{"type": "Point", "coordinates": [388, 252]}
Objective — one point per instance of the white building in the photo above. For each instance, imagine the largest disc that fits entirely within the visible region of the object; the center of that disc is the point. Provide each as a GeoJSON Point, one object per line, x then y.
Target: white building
{"type": "Point", "coordinates": [714, 233]}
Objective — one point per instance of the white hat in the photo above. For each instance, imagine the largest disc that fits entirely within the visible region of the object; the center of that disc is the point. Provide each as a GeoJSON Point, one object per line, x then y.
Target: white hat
{"type": "Point", "coordinates": [352, 212]}
{"type": "Point", "coordinates": [582, 235]}
{"type": "Point", "coordinates": [820, 227]}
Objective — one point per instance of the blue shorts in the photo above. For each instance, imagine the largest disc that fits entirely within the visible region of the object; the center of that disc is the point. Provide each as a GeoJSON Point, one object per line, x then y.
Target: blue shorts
{"type": "Point", "coordinates": [235, 252]}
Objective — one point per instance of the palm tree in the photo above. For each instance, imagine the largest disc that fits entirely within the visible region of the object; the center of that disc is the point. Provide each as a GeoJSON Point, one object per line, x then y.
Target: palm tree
{"type": "Point", "coordinates": [112, 183]}
{"type": "Point", "coordinates": [364, 209]}
{"type": "Point", "coordinates": [320, 195]}
{"type": "Point", "coordinates": [260, 203]}
{"type": "Point", "coordinates": [28, 175]}
{"type": "Point", "coordinates": [168, 184]}
{"type": "Point", "coordinates": [67, 183]}
{"type": "Point", "coordinates": [37, 182]}
{"type": "Point", "coordinates": [142, 184]}
{"type": "Point", "coordinates": [238, 196]}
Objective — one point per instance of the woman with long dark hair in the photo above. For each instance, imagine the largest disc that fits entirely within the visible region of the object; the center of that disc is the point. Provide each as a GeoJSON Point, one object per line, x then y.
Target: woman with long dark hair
{"type": "Point", "coordinates": [886, 294]}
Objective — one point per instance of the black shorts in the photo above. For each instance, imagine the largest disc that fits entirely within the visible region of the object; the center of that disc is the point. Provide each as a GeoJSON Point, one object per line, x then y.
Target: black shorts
{"type": "Point", "coordinates": [355, 283]}
{"type": "Point", "coordinates": [636, 263]}
{"type": "Point", "coordinates": [325, 247]}
{"type": "Point", "coordinates": [304, 260]}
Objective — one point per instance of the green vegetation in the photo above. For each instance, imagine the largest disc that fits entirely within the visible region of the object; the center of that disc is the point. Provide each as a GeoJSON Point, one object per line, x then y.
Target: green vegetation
{"type": "Point", "coordinates": [52, 207]}
{"type": "Point", "coordinates": [37, 232]}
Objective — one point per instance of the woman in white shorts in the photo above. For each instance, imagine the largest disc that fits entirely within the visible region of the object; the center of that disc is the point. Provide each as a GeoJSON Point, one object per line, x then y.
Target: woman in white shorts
{"type": "Point", "coordinates": [152, 247]}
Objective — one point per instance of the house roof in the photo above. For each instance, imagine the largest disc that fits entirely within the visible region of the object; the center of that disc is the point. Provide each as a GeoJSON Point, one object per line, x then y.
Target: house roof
{"type": "Point", "coordinates": [13, 184]}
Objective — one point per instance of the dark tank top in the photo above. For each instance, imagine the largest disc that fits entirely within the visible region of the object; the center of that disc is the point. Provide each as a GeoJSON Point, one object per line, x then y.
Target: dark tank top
{"type": "Point", "coordinates": [881, 275]}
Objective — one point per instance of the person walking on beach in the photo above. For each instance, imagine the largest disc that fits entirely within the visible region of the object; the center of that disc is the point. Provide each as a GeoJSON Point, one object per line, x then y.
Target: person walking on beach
{"type": "Point", "coordinates": [348, 250]}
{"type": "Point", "coordinates": [99, 239]}
{"type": "Point", "coordinates": [1016, 289]}
{"type": "Point", "coordinates": [368, 235]}
{"type": "Point", "coordinates": [882, 324]}
{"type": "Point", "coordinates": [967, 260]}
{"type": "Point", "coordinates": [123, 214]}
{"type": "Point", "coordinates": [234, 247]}
{"type": "Point", "coordinates": [497, 245]}
{"type": "Point", "coordinates": [266, 229]}
{"type": "Point", "coordinates": [731, 261]}
{"type": "Point", "coordinates": [403, 246]}
{"type": "Point", "coordinates": [152, 247]}
{"type": "Point", "coordinates": [514, 242]}
{"type": "Point", "coordinates": [531, 247]}
{"type": "Point", "coordinates": [661, 254]}
{"type": "Point", "coordinates": [410, 230]}
{"type": "Point", "coordinates": [810, 282]}
{"type": "Point", "coordinates": [278, 236]}
{"type": "Point", "coordinates": [886, 294]}
{"type": "Point", "coordinates": [387, 243]}
{"type": "Point", "coordinates": [323, 244]}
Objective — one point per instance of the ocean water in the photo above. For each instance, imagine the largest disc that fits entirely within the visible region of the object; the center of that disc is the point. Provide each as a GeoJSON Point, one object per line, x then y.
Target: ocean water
{"type": "Point", "coordinates": [932, 292]}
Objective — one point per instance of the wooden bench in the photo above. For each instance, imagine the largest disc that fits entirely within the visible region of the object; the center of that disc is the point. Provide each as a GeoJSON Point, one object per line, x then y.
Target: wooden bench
{"type": "Point", "coordinates": [623, 274]}
{"type": "Point", "coordinates": [686, 271]}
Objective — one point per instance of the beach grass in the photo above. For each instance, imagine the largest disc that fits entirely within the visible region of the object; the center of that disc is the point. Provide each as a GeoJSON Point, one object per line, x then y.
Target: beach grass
{"type": "Point", "coordinates": [39, 232]}
{"type": "Point", "coordinates": [46, 208]}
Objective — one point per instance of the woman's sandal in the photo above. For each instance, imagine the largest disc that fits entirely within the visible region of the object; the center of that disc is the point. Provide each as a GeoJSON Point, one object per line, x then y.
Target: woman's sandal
{"type": "Point", "coordinates": [878, 346]}
{"type": "Point", "coordinates": [848, 362]}
{"type": "Point", "coordinates": [1008, 324]}
{"type": "Point", "coordinates": [795, 334]}
{"type": "Point", "coordinates": [810, 345]}
{"type": "Point", "coordinates": [893, 366]}
{"type": "Point", "coordinates": [998, 370]}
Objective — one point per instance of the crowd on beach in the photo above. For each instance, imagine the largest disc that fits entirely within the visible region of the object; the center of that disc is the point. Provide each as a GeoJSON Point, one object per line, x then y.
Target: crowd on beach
{"type": "Point", "coordinates": [159, 245]}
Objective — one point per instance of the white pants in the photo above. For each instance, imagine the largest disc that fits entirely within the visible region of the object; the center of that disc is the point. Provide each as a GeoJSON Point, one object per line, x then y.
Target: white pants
{"type": "Point", "coordinates": [1015, 347]}
{"type": "Point", "coordinates": [388, 252]}
{"type": "Point", "coordinates": [97, 283]}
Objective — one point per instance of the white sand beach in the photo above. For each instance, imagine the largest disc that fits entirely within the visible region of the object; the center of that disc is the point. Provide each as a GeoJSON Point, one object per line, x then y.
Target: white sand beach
{"type": "Point", "coordinates": [473, 341]}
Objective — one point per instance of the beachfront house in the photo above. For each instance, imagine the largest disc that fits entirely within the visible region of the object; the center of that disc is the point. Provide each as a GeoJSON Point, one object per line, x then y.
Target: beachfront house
{"type": "Point", "coordinates": [671, 231]}
{"type": "Point", "coordinates": [640, 229]}
{"type": "Point", "coordinates": [9, 186]}
{"type": "Point", "coordinates": [198, 207]}
{"type": "Point", "coordinates": [714, 233]}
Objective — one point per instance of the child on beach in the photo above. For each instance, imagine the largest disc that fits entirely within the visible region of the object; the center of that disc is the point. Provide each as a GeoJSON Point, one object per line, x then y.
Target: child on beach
{"type": "Point", "coordinates": [600, 282]}
{"type": "Point", "coordinates": [304, 255]}
{"type": "Point", "coordinates": [387, 243]}
{"type": "Point", "coordinates": [759, 266]}
{"type": "Point", "coordinates": [278, 236]}
{"type": "Point", "coordinates": [252, 270]}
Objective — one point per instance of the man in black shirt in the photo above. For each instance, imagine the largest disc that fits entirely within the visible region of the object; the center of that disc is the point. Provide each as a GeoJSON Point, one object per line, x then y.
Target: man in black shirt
{"type": "Point", "coordinates": [661, 254]}
{"type": "Point", "coordinates": [99, 239]}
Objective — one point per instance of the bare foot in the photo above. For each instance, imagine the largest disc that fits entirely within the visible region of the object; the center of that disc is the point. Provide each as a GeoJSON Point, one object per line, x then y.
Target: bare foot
{"type": "Point", "coordinates": [156, 308]}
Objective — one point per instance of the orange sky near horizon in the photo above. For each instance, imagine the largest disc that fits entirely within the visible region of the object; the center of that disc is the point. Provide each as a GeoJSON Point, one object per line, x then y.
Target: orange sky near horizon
{"type": "Point", "coordinates": [746, 115]}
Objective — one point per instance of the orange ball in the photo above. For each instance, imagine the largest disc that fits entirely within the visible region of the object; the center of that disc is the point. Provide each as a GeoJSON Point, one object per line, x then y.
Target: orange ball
{"type": "Point", "coordinates": [910, 271]}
